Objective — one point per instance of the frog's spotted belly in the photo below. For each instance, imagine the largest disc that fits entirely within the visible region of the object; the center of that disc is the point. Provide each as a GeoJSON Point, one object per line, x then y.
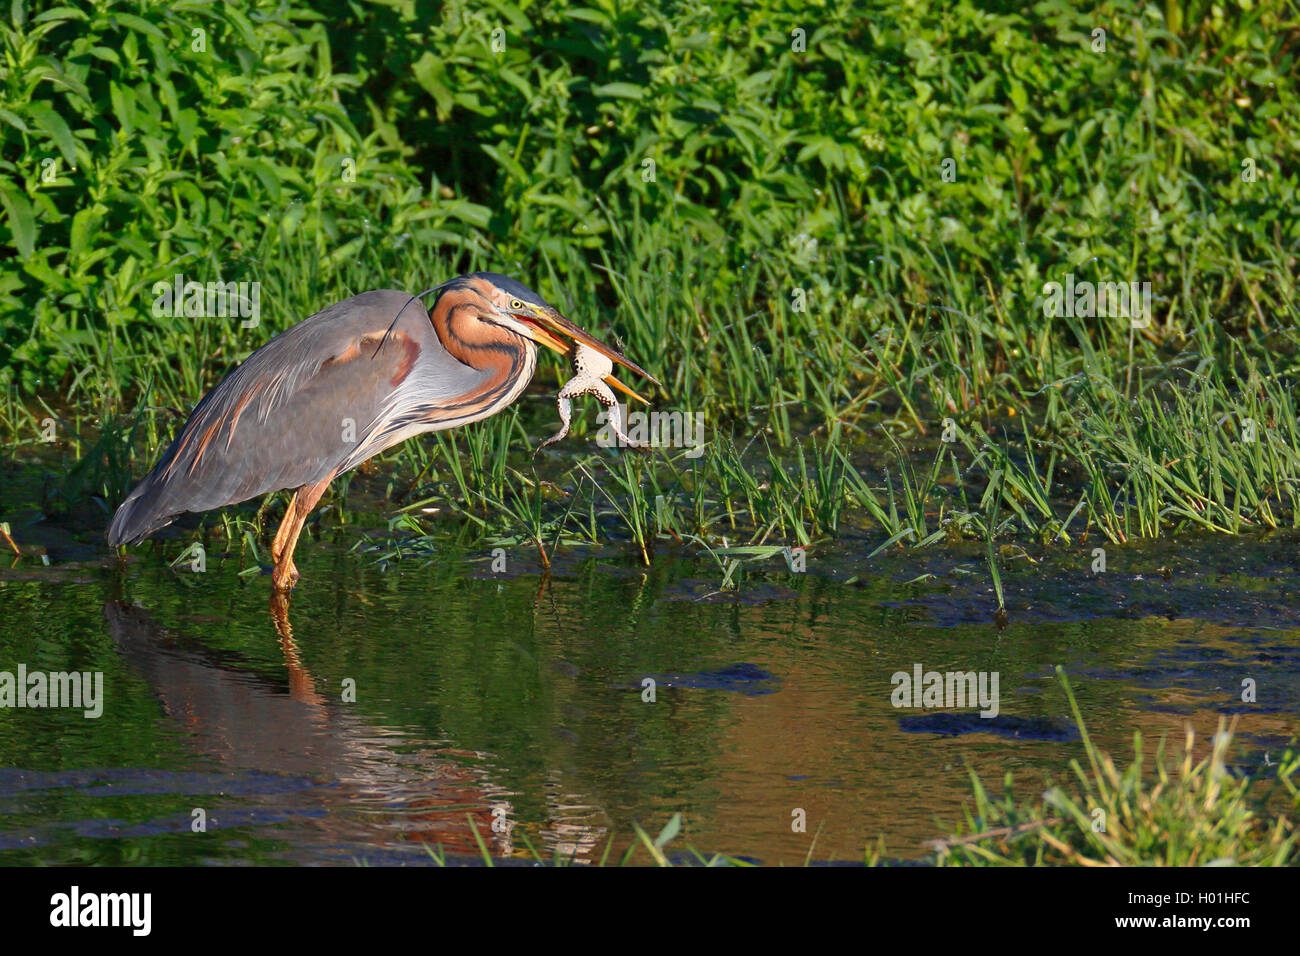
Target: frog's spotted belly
{"type": "Point", "coordinates": [590, 369]}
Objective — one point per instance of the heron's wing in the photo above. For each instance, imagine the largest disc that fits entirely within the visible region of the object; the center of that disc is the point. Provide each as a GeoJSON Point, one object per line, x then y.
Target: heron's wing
{"type": "Point", "coordinates": [299, 410]}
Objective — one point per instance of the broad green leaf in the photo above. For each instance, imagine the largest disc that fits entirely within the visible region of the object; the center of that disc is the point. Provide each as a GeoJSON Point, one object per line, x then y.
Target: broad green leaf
{"type": "Point", "coordinates": [47, 119]}
{"type": "Point", "coordinates": [628, 91]}
{"type": "Point", "coordinates": [18, 217]}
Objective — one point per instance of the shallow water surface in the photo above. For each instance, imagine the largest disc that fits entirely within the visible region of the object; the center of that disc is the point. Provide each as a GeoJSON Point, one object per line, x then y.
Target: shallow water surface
{"type": "Point", "coordinates": [390, 708]}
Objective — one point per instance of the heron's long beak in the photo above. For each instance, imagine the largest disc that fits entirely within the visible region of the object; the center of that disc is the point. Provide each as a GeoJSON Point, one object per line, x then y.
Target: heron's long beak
{"type": "Point", "coordinates": [547, 325]}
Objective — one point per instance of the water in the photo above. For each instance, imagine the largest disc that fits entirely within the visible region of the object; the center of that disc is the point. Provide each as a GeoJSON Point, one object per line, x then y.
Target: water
{"type": "Point", "coordinates": [387, 709]}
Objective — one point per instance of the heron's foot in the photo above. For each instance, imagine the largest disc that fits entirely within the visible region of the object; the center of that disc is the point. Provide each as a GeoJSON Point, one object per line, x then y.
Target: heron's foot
{"type": "Point", "coordinates": [285, 576]}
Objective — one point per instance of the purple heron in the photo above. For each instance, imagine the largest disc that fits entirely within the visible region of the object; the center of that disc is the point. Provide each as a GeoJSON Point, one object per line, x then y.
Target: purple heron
{"type": "Point", "coordinates": [338, 388]}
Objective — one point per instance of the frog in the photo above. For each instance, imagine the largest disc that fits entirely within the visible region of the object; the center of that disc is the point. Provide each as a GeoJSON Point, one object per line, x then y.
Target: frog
{"type": "Point", "coordinates": [590, 368]}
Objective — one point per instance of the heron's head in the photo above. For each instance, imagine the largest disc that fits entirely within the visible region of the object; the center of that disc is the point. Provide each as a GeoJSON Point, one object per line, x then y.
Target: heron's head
{"type": "Point", "coordinates": [518, 308]}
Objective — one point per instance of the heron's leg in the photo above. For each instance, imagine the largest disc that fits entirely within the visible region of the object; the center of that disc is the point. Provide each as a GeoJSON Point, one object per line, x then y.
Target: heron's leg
{"type": "Point", "coordinates": [277, 546]}
{"type": "Point", "coordinates": [285, 575]}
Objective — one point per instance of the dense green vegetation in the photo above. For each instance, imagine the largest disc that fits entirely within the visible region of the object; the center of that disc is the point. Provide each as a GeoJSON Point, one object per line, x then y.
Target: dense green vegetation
{"type": "Point", "coordinates": [838, 218]}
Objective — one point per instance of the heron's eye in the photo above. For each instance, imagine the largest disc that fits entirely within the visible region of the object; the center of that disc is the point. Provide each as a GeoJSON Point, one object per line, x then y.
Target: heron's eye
{"type": "Point", "coordinates": [516, 305]}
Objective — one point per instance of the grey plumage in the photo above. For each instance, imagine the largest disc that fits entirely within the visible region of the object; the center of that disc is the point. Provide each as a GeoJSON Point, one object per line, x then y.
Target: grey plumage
{"type": "Point", "coordinates": [278, 391]}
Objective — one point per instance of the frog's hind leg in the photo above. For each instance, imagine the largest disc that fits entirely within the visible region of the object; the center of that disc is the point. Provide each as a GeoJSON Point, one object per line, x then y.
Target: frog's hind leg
{"type": "Point", "coordinates": [566, 413]}
{"type": "Point", "coordinates": [615, 416]}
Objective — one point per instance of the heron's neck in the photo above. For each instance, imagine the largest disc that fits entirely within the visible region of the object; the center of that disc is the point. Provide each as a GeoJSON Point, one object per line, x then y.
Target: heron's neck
{"type": "Point", "coordinates": [510, 359]}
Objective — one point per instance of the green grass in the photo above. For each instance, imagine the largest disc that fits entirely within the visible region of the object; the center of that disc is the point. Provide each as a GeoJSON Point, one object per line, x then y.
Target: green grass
{"type": "Point", "coordinates": [1187, 810]}
{"type": "Point", "coordinates": [863, 333]}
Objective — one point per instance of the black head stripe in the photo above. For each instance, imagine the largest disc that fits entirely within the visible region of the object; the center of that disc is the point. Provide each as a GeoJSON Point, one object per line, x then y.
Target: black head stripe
{"type": "Point", "coordinates": [510, 287]}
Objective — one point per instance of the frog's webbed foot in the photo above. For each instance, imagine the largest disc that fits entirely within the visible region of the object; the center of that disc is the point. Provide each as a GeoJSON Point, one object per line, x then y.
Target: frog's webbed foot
{"type": "Point", "coordinates": [566, 412]}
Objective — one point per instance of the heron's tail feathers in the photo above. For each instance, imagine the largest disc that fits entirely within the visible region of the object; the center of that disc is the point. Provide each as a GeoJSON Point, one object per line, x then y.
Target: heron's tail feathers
{"type": "Point", "coordinates": [137, 518]}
